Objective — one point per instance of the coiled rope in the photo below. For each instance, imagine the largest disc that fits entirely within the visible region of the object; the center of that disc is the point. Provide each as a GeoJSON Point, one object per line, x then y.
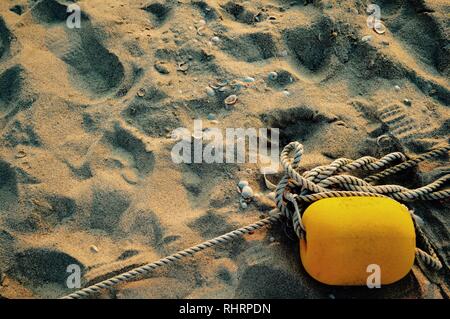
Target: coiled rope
{"type": "Point", "coordinates": [295, 190]}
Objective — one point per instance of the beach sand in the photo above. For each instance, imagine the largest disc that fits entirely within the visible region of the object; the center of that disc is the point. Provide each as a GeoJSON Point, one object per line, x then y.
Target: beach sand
{"type": "Point", "coordinates": [86, 116]}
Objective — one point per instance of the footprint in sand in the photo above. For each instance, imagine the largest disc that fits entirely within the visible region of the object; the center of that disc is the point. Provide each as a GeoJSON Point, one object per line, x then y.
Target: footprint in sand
{"type": "Point", "coordinates": [159, 12]}
{"type": "Point", "coordinates": [5, 39]}
{"type": "Point", "coordinates": [250, 47]}
{"type": "Point", "coordinates": [90, 65]}
{"type": "Point", "coordinates": [402, 125]}
{"type": "Point", "coordinates": [418, 27]}
{"type": "Point", "coordinates": [11, 83]}
{"type": "Point", "coordinates": [8, 186]}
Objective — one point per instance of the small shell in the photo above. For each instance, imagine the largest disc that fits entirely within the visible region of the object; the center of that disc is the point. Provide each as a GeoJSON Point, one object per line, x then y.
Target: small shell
{"type": "Point", "coordinates": [379, 28]}
{"type": "Point", "coordinates": [247, 192]}
{"type": "Point", "coordinates": [183, 66]}
{"type": "Point", "coordinates": [407, 102]}
{"type": "Point", "coordinates": [141, 92]}
{"type": "Point", "coordinates": [273, 76]}
{"type": "Point", "coordinates": [130, 177]}
{"type": "Point", "coordinates": [366, 38]}
{"type": "Point", "coordinates": [286, 93]}
{"type": "Point", "coordinates": [225, 88]}
{"type": "Point", "coordinates": [242, 184]}
{"type": "Point", "coordinates": [248, 79]}
{"type": "Point", "coordinates": [384, 140]}
{"type": "Point", "coordinates": [397, 88]}
{"type": "Point", "coordinates": [214, 86]}
{"type": "Point", "coordinates": [243, 204]}
{"type": "Point", "coordinates": [222, 82]}
{"type": "Point", "coordinates": [93, 249]}
{"type": "Point", "coordinates": [230, 100]}
{"type": "Point", "coordinates": [200, 30]}
{"type": "Point", "coordinates": [21, 154]}
{"type": "Point", "coordinates": [210, 91]}
{"type": "Point", "coordinates": [215, 40]}
{"type": "Point", "coordinates": [211, 117]}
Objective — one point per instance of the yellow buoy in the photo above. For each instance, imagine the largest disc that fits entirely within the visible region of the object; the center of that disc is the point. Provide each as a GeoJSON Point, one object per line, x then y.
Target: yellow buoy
{"type": "Point", "coordinates": [345, 236]}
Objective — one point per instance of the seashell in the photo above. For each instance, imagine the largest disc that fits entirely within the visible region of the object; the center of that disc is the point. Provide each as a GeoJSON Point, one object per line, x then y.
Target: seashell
{"type": "Point", "coordinates": [211, 117]}
{"type": "Point", "coordinates": [273, 76]}
{"type": "Point", "coordinates": [230, 100]}
{"type": "Point", "coordinates": [260, 16]}
{"type": "Point", "coordinates": [225, 88]}
{"type": "Point", "coordinates": [183, 66]}
{"type": "Point", "coordinates": [93, 249]}
{"type": "Point", "coordinates": [210, 91]}
{"type": "Point", "coordinates": [200, 30]}
{"type": "Point", "coordinates": [366, 38]}
{"type": "Point", "coordinates": [384, 140]}
{"type": "Point", "coordinates": [243, 204]}
{"type": "Point", "coordinates": [397, 88]}
{"type": "Point", "coordinates": [242, 184]}
{"type": "Point", "coordinates": [407, 102]}
{"type": "Point", "coordinates": [21, 154]}
{"type": "Point", "coordinates": [214, 86]}
{"type": "Point", "coordinates": [248, 79]}
{"type": "Point", "coordinates": [215, 40]}
{"type": "Point", "coordinates": [141, 92]}
{"type": "Point", "coordinates": [222, 82]}
{"type": "Point", "coordinates": [161, 68]}
{"type": "Point", "coordinates": [286, 93]}
{"type": "Point", "coordinates": [379, 28]}
{"type": "Point", "coordinates": [247, 192]}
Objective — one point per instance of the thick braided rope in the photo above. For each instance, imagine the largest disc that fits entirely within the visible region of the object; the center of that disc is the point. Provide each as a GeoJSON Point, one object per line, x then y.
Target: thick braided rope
{"type": "Point", "coordinates": [431, 261]}
{"type": "Point", "coordinates": [410, 163]}
{"type": "Point", "coordinates": [139, 271]}
{"type": "Point", "coordinates": [430, 258]}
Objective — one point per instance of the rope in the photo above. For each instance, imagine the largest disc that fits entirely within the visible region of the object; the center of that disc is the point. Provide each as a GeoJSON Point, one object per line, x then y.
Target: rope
{"type": "Point", "coordinates": [109, 283]}
{"type": "Point", "coordinates": [410, 163]}
{"type": "Point", "coordinates": [313, 185]}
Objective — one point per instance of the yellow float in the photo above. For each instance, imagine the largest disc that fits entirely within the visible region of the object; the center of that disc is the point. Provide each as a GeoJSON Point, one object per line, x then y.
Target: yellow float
{"type": "Point", "coordinates": [346, 235]}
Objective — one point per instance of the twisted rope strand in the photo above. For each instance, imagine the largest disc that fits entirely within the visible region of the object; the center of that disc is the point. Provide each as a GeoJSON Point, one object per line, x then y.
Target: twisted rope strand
{"type": "Point", "coordinates": [109, 283]}
{"type": "Point", "coordinates": [410, 163]}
